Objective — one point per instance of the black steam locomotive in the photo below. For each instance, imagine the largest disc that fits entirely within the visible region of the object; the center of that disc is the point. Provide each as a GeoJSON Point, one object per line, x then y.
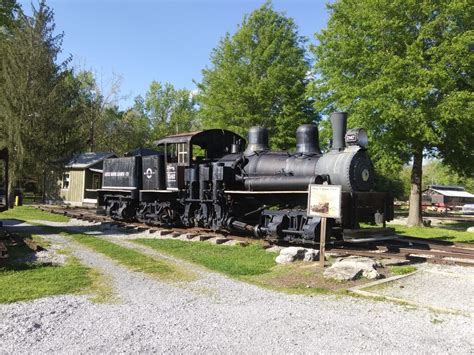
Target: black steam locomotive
{"type": "Point", "coordinates": [213, 179]}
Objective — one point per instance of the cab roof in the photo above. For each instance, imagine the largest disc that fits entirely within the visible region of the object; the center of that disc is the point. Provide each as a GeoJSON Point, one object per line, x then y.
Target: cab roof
{"type": "Point", "coordinates": [203, 138]}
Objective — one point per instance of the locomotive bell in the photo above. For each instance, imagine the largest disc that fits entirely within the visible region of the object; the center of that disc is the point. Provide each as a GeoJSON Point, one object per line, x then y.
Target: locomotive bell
{"type": "Point", "coordinates": [258, 140]}
{"type": "Point", "coordinates": [307, 139]}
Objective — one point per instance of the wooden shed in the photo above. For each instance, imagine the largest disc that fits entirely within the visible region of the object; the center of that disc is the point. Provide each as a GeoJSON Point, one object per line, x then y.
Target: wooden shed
{"type": "Point", "coordinates": [82, 178]}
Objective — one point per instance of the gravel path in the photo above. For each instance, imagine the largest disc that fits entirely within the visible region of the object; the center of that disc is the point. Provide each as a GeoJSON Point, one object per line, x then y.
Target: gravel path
{"type": "Point", "coordinates": [217, 315]}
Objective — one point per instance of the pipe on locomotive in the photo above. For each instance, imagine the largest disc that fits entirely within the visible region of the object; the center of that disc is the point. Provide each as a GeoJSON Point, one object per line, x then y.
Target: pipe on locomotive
{"type": "Point", "coordinates": [339, 128]}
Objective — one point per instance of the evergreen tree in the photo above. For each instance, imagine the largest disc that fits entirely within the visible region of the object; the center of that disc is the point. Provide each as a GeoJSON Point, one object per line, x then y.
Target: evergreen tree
{"type": "Point", "coordinates": [403, 70]}
{"type": "Point", "coordinates": [258, 77]}
{"type": "Point", "coordinates": [38, 99]}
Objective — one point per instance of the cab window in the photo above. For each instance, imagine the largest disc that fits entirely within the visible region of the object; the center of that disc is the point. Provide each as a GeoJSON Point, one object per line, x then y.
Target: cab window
{"type": "Point", "coordinates": [177, 153]}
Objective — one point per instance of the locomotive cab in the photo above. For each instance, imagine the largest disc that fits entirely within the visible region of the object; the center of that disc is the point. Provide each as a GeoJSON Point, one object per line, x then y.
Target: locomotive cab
{"type": "Point", "coordinates": [185, 150]}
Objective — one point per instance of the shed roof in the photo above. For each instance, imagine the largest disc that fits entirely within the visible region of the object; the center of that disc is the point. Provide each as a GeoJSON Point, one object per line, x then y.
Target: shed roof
{"type": "Point", "coordinates": [88, 159]}
{"type": "Point", "coordinates": [453, 193]}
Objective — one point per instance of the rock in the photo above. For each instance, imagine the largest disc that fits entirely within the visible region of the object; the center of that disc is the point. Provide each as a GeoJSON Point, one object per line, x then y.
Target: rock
{"type": "Point", "coordinates": [236, 243]}
{"type": "Point", "coordinates": [284, 259]}
{"type": "Point", "coordinates": [311, 255]}
{"type": "Point", "coordinates": [342, 273]}
{"type": "Point", "coordinates": [352, 267]}
{"type": "Point", "coordinates": [295, 252]}
{"type": "Point", "coordinates": [274, 249]}
{"type": "Point", "coordinates": [470, 229]}
{"type": "Point", "coordinates": [217, 240]}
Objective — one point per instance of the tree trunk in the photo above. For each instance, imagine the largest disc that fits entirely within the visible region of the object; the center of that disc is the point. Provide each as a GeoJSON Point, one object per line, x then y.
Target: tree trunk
{"type": "Point", "coordinates": [11, 193]}
{"type": "Point", "coordinates": [44, 187]}
{"type": "Point", "coordinates": [414, 214]}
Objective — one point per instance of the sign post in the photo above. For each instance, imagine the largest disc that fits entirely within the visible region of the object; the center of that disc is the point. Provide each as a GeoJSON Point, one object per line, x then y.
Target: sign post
{"type": "Point", "coordinates": [324, 201]}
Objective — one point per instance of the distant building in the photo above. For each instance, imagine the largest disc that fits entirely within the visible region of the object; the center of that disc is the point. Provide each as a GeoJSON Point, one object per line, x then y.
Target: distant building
{"type": "Point", "coordinates": [82, 178]}
{"type": "Point", "coordinates": [446, 196]}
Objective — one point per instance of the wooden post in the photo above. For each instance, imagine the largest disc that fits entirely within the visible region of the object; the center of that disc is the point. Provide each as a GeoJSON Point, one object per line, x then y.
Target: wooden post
{"type": "Point", "coordinates": [322, 242]}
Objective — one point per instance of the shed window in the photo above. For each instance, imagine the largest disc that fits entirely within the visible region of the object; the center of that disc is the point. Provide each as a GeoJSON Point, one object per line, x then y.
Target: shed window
{"type": "Point", "coordinates": [65, 181]}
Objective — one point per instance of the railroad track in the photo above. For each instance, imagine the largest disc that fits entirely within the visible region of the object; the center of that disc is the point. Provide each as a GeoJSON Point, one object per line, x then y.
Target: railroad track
{"type": "Point", "coordinates": [394, 247]}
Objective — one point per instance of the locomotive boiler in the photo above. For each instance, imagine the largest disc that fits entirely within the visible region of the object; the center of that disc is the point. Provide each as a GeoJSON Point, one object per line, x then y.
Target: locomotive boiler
{"type": "Point", "coordinates": [213, 179]}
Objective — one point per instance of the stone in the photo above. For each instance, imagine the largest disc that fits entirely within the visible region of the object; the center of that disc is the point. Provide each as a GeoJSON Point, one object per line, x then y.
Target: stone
{"type": "Point", "coordinates": [342, 273]}
{"type": "Point", "coordinates": [311, 255]}
{"type": "Point", "coordinates": [352, 267]}
{"type": "Point", "coordinates": [217, 240]}
{"type": "Point", "coordinates": [470, 229]}
{"type": "Point", "coordinates": [233, 242]}
{"type": "Point", "coordinates": [295, 252]}
{"type": "Point", "coordinates": [284, 259]}
{"type": "Point", "coordinates": [274, 249]}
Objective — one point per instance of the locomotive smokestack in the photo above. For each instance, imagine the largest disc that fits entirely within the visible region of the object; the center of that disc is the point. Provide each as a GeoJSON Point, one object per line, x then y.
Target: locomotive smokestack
{"type": "Point", "coordinates": [339, 127]}
{"type": "Point", "coordinates": [307, 139]}
{"type": "Point", "coordinates": [258, 140]}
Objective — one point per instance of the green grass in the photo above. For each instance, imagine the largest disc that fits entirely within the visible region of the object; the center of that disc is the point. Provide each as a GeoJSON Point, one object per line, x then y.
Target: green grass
{"type": "Point", "coordinates": [29, 213]}
{"type": "Point", "coordinates": [131, 259]}
{"type": "Point", "coordinates": [441, 233]}
{"type": "Point", "coordinates": [402, 269]}
{"type": "Point", "coordinates": [233, 261]}
{"type": "Point", "coordinates": [250, 264]}
{"type": "Point", "coordinates": [25, 281]}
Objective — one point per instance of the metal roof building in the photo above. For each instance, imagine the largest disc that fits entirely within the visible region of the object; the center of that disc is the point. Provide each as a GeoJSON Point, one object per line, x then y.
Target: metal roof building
{"type": "Point", "coordinates": [447, 196]}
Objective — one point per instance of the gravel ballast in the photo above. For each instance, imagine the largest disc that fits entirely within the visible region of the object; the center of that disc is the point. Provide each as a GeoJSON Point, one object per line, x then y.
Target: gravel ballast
{"type": "Point", "coordinates": [218, 315]}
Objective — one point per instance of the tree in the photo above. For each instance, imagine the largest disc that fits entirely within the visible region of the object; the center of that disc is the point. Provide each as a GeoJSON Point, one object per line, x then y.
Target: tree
{"type": "Point", "coordinates": [258, 77]}
{"type": "Point", "coordinates": [38, 102]}
{"type": "Point", "coordinates": [169, 110]}
{"type": "Point", "coordinates": [403, 70]}
{"type": "Point", "coordinates": [96, 98]}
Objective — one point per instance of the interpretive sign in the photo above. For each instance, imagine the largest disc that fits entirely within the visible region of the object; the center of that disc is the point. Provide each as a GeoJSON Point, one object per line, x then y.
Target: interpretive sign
{"type": "Point", "coordinates": [324, 201]}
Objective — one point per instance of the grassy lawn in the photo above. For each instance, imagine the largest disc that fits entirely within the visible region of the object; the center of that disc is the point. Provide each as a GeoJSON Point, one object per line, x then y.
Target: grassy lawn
{"type": "Point", "coordinates": [251, 264]}
{"type": "Point", "coordinates": [131, 259]}
{"type": "Point", "coordinates": [25, 281]}
{"type": "Point", "coordinates": [233, 261]}
{"type": "Point", "coordinates": [29, 213]}
{"type": "Point", "coordinates": [447, 233]}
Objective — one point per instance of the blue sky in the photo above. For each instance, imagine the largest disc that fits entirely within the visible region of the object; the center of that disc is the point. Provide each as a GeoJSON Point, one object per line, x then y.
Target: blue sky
{"type": "Point", "coordinates": [168, 41]}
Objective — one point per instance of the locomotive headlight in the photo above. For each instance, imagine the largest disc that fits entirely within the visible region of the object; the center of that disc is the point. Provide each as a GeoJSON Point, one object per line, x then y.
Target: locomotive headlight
{"type": "Point", "coordinates": [357, 136]}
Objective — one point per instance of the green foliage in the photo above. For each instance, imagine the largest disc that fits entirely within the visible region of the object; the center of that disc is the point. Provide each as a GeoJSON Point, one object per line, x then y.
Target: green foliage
{"type": "Point", "coordinates": [231, 260]}
{"type": "Point", "coordinates": [258, 77]}
{"type": "Point", "coordinates": [403, 70]}
{"type": "Point", "coordinates": [38, 97]}
{"type": "Point", "coordinates": [169, 110]}
{"type": "Point", "coordinates": [28, 213]}
{"type": "Point", "coordinates": [398, 67]}
{"type": "Point", "coordinates": [437, 173]}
